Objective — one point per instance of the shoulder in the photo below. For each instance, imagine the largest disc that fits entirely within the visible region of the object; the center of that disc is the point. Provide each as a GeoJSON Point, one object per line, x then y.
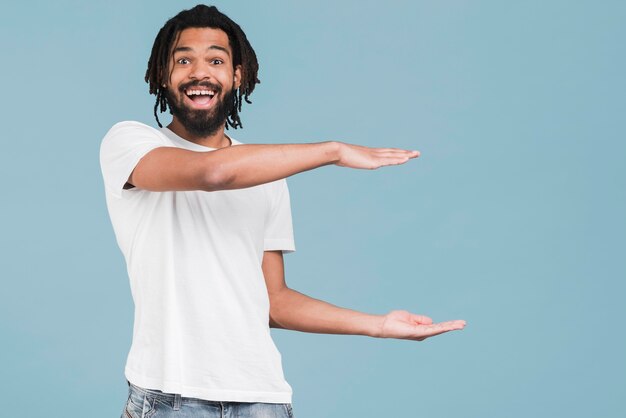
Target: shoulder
{"type": "Point", "coordinates": [127, 133]}
{"type": "Point", "coordinates": [132, 127]}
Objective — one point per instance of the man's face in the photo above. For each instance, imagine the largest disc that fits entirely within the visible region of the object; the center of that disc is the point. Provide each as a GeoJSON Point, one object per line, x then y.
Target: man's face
{"type": "Point", "coordinates": [202, 81]}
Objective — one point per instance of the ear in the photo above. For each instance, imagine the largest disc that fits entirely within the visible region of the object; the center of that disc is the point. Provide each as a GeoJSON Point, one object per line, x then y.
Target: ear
{"type": "Point", "coordinates": [237, 76]}
{"type": "Point", "coordinates": [162, 82]}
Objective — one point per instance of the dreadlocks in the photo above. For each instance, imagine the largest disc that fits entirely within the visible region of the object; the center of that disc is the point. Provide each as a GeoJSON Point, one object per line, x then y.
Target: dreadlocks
{"type": "Point", "coordinates": [202, 16]}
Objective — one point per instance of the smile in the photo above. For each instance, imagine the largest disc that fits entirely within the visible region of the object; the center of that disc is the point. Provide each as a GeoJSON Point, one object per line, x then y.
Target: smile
{"type": "Point", "coordinates": [201, 97]}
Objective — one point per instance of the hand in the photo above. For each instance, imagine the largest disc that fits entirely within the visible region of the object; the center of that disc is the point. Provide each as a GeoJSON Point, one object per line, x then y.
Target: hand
{"type": "Point", "coordinates": [408, 326]}
{"type": "Point", "coordinates": [357, 156]}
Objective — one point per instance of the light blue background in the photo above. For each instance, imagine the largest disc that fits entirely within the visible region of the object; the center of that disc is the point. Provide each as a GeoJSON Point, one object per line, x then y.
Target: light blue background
{"type": "Point", "coordinates": [513, 218]}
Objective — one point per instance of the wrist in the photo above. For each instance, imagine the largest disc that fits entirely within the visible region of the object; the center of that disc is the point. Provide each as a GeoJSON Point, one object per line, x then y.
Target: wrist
{"type": "Point", "coordinates": [332, 151]}
{"type": "Point", "coordinates": [376, 326]}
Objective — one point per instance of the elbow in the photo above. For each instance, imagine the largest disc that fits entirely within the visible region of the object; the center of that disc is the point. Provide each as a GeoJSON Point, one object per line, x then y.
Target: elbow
{"type": "Point", "coordinates": [216, 177]}
{"type": "Point", "coordinates": [275, 324]}
{"type": "Point", "coordinates": [274, 316]}
{"type": "Point", "coordinates": [278, 310]}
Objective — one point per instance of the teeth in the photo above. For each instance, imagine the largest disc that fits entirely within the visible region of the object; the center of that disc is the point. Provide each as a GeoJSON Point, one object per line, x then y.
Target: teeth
{"type": "Point", "coordinates": [200, 93]}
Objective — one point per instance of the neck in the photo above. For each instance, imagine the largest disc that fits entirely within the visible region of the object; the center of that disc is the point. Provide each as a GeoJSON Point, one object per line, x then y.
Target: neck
{"type": "Point", "coordinates": [216, 140]}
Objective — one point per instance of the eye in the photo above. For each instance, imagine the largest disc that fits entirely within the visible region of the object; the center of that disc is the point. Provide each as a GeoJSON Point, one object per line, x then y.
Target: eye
{"type": "Point", "coordinates": [183, 61]}
{"type": "Point", "coordinates": [217, 61]}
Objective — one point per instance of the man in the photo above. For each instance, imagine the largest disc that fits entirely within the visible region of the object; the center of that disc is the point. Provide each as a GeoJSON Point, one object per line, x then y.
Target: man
{"type": "Point", "coordinates": [203, 222]}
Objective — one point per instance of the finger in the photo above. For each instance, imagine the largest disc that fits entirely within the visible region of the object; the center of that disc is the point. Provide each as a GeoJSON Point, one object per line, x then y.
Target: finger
{"type": "Point", "coordinates": [440, 328]}
{"type": "Point", "coordinates": [384, 161]}
{"type": "Point", "coordinates": [396, 152]}
{"type": "Point", "coordinates": [398, 157]}
{"type": "Point", "coordinates": [452, 325]}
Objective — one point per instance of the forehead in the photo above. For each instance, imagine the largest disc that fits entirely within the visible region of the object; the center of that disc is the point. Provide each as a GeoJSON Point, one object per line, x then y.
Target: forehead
{"type": "Point", "coordinates": [200, 39]}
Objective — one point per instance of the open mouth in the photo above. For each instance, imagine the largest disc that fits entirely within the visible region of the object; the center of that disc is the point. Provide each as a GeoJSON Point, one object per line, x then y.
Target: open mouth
{"type": "Point", "coordinates": [201, 96]}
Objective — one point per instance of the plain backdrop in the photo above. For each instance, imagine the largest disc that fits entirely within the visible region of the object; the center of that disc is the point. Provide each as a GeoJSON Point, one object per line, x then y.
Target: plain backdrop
{"type": "Point", "coordinates": [513, 218]}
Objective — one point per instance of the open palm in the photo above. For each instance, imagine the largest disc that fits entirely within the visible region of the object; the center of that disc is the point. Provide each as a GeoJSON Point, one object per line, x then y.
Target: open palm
{"type": "Point", "coordinates": [358, 156]}
{"type": "Point", "coordinates": [408, 326]}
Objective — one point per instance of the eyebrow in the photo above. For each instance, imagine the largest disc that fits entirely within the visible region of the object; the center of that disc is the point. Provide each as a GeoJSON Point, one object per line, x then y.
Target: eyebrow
{"type": "Point", "coordinates": [189, 49]}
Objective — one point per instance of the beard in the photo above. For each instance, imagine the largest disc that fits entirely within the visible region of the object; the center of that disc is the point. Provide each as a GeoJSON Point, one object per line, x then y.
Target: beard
{"type": "Point", "coordinates": [201, 122]}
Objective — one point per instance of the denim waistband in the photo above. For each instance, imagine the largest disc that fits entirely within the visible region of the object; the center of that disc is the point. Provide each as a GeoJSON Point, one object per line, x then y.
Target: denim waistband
{"type": "Point", "coordinates": [172, 398]}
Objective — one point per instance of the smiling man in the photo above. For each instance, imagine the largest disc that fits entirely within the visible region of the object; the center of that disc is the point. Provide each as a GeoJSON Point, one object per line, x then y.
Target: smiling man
{"type": "Point", "coordinates": [201, 101]}
{"type": "Point", "coordinates": [203, 222]}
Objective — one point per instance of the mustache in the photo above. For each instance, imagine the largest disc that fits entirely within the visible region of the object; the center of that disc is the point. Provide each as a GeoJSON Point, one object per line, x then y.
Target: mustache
{"type": "Point", "coordinates": [190, 85]}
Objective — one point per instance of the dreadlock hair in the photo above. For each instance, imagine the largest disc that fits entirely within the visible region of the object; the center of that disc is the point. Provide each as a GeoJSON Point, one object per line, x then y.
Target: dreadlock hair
{"type": "Point", "coordinates": [202, 16]}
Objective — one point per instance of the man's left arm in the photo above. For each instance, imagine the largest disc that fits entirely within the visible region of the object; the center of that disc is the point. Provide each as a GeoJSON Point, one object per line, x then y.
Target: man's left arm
{"type": "Point", "coordinates": [293, 310]}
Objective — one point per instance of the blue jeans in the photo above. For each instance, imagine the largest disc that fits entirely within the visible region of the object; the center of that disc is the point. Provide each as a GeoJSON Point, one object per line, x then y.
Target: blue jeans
{"type": "Point", "coordinates": [150, 403]}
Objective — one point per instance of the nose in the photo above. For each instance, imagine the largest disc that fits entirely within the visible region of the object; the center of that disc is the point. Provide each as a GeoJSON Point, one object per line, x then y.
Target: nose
{"type": "Point", "coordinates": [200, 71]}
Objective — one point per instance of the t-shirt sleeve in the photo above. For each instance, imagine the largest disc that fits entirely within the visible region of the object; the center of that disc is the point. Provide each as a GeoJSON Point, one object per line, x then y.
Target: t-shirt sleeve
{"type": "Point", "coordinates": [122, 148]}
{"type": "Point", "coordinates": [279, 228]}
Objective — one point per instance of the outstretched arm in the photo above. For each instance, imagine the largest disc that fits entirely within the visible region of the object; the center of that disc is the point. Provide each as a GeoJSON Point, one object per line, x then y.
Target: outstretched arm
{"type": "Point", "coordinates": [247, 165]}
{"type": "Point", "coordinates": [293, 310]}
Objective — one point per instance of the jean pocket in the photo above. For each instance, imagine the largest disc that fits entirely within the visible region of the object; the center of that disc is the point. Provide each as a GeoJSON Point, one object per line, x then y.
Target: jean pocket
{"type": "Point", "coordinates": [131, 409]}
{"type": "Point", "coordinates": [137, 406]}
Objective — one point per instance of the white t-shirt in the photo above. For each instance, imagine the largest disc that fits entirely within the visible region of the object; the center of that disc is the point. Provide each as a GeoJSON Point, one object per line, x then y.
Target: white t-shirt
{"type": "Point", "coordinates": [194, 261]}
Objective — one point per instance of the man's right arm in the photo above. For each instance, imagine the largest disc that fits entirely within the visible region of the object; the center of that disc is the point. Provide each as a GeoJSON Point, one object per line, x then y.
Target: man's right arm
{"type": "Point", "coordinates": [247, 165]}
